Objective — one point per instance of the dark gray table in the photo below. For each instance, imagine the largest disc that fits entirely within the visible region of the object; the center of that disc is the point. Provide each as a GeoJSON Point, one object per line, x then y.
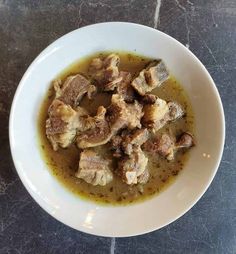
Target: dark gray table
{"type": "Point", "coordinates": [208, 28]}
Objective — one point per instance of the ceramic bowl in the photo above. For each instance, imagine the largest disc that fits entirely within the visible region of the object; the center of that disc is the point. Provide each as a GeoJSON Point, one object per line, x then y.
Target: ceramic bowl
{"type": "Point", "coordinates": [117, 221]}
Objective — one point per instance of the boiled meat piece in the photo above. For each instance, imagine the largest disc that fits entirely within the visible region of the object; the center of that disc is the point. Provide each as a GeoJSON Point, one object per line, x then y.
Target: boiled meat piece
{"type": "Point", "coordinates": [155, 114]}
{"type": "Point", "coordinates": [98, 131]}
{"type": "Point", "coordinates": [166, 146]}
{"type": "Point", "coordinates": [62, 124]}
{"type": "Point", "coordinates": [148, 99]}
{"type": "Point", "coordinates": [185, 141]}
{"type": "Point", "coordinates": [122, 114]}
{"type": "Point", "coordinates": [123, 87]}
{"type": "Point", "coordinates": [134, 140]}
{"type": "Point", "coordinates": [151, 77]}
{"type": "Point", "coordinates": [160, 113]}
{"type": "Point", "coordinates": [175, 111]}
{"type": "Point", "coordinates": [115, 146]}
{"type": "Point", "coordinates": [144, 177]}
{"type": "Point", "coordinates": [105, 70]}
{"type": "Point", "coordinates": [73, 89]}
{"type": "Point", "coordinates": [104, 126]}
{"type": "Point", "coordinates": [94, 169]}
{"type": "Point", "coordinates": [133, 166]}
{"type": "Point", "coordinates": [127, 141]}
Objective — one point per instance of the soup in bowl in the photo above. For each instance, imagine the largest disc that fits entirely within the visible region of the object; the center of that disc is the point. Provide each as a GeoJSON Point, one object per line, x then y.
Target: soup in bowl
{"type": "Point", "coordinates": [133, 145]}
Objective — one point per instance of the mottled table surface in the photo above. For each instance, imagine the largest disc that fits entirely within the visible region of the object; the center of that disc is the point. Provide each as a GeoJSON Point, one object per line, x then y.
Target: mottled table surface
{"type": "Point", "coordinates": [208, 28]}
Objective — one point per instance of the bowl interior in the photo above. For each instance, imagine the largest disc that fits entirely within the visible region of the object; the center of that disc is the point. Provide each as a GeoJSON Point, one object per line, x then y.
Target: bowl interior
{"type": "Point", "coordinates": [107, 220]}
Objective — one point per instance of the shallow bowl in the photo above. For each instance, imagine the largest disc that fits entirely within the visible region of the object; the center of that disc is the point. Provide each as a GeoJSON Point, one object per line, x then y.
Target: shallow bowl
{"type": "Point", "coordinates": [138, 218]}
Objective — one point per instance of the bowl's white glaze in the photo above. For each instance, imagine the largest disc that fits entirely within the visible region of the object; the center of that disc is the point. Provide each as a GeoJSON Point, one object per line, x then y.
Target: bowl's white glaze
{"type": "Point", "coordinates": [124, 220]}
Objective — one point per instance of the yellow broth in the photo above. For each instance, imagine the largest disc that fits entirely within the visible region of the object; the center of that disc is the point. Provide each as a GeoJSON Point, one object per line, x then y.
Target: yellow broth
{"type": "Point", "coordinates": [64, 163]}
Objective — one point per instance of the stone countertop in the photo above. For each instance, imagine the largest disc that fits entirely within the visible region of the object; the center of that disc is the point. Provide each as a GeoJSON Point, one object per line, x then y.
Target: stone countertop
{"type": "Point", "coordinates": [208, 28]}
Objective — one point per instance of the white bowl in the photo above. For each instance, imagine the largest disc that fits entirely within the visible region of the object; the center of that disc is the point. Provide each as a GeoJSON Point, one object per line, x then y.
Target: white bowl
{"type": "Point", "coordinates": [117, 220]}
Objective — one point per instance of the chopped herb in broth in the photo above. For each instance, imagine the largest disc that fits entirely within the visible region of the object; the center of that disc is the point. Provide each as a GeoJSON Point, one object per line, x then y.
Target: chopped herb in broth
{"type": "Point", "coordinates": [64, 162]}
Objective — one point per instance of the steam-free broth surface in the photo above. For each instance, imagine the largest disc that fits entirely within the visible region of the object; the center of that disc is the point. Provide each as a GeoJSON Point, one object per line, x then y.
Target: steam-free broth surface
{"type": "Point", "coordinates": [64, 162]}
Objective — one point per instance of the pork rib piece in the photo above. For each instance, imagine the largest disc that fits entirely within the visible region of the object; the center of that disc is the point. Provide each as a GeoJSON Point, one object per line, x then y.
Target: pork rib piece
{"type": "Point", "coordinates": [166, 146]}
{"type": "Point", "coordinates": [62, 124]}
{"type": "Point", "coordinates": [94, 169]}
{"type": "Point", "coordinates": [151, 77]}
{"type": "Point", "coordinates": [158, 114]}
{"type": "Point", "coordinates": [73, 89]}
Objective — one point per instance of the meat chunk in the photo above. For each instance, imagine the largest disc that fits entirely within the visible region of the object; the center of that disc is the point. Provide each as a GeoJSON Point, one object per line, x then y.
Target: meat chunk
{"type": "Point", "coordinates": [98, 131]}
{"type": "Point", "coordinates": [62, 124]}
{"type": "Point", "coordinates": [151, 77]}
{"type": "Point", "coordinates": [160, 113]}
{"type": "Point", "coordinates": [115, 146]}
{"type": "Point", "coordinates": [144, 177]}
{"type": "Point", "coordinates": [133, 167]}
{"type": "Point", "coordinates": [105, 70]}
{"type": "Point", "coordinates": [111, 86]}
{"type": "Point", "coordinates": [185, 141]}
{"type": "Point", "coordinates": [134, 115]}
{"type": "Point", "coordinates": [121, 114]}
{"type": "Point", "coordinates": [94, 169]}
{"type": "Point", "coordinates": [155, 114]}
{"type": "Point", "coordinates": [117, 113]}
{"type": "Point", "coordinates": [156, 73]}
{"type": "Point", "coordinates": [175, 111]}
{"type": "Point", "coordinates": [103, 127]}
{"type": "Point", "coordinates": [134, 140]}
{"type": "Point", "coordinates": [126, 142]}
{"type": "Point", "coordinates": [123, 87]}
{"type": "Point", "coordinates": [149, 99]}
{"type": "Point", "coordinates": [73, 89]}
{"type": "Point", "coordinates": [166, 145]}
{"type": "Point", "coordinates": [110, 64]}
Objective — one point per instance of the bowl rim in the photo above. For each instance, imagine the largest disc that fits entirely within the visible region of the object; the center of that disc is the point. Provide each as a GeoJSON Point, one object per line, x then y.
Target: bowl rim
{"type": "Point", "coordinates": [200, 64]}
